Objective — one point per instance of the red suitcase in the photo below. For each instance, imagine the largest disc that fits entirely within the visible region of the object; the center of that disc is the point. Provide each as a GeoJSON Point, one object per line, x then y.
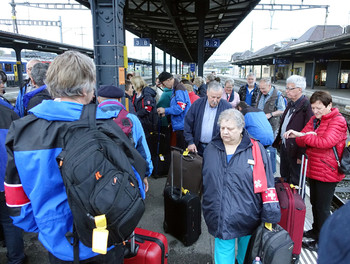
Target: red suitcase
{"type": "Point", "coordinates": [293, 209]}
{"type": "Point", "coordinates": [147, 247]}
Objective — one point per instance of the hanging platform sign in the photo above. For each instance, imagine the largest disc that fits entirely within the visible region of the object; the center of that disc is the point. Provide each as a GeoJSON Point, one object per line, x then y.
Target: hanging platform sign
{"type": "Point", "coordinates": [211, 43]}
{"type": "Point", "coordinates": [141, 42]}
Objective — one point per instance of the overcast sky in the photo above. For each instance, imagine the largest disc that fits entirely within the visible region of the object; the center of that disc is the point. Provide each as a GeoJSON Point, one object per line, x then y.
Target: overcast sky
{"type": "Point", "coordinates": [77, 26]}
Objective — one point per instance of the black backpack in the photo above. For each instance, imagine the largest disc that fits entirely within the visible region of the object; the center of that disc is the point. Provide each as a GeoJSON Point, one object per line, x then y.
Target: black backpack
{"type": "Point", "coordinates": [272, 246]}
{"type": "Point", "coordinates": [96, 167]}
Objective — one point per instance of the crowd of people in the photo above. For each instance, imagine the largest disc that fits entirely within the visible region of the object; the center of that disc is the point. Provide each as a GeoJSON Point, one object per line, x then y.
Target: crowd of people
{"type": "Point", "coordinates": [203, 115]}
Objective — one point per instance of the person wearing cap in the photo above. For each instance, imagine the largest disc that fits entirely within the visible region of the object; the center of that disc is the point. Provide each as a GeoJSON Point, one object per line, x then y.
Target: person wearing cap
{"type": "Point", "coordinates": [109, 99]}
{"type": "Point", "coordinates": [179, 105]}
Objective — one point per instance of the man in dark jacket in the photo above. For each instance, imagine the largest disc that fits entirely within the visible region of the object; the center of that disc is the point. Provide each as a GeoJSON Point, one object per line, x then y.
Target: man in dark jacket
{"type": "Point", "coordinates": [27, 87]}
{"type": "Point", "coordinates": [39, 91]}
{"type": "Point", "coordinates": [198, 133]}
{"type": "Point", "coordinates": [179, 105]}
{"type": "Point", "coordinates": [296, 115]}
{"type": "Point", "coordinates": [249, 92]}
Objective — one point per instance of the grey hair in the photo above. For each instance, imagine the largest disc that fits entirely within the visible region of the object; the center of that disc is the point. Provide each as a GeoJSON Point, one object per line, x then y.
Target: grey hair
{"type": "Point", "coordinates": [214, 86]}
{"type": "Point", "coordinates": [38, 73]}
{"type": "Point", "coordinates": [71, 74]}
{"type": "Point", "coordinates": [210, 77]}
{"type": "Point", "coordinates": [266, 80]}
{"type": "Point", "coordinates": [232, 114]}
{"type": "Point", "coordinates": [230, 81]}
{"type": "Point", "coordinates": [299, 81]}
{"type": "Point", "coordinates": [251, 74]}
{"type": "Point", "coordinates": [198, 81]}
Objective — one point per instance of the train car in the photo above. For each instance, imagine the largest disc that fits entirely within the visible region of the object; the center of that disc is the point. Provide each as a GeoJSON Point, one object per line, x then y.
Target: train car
{"type": "Point", "coordinates": [10, 67]}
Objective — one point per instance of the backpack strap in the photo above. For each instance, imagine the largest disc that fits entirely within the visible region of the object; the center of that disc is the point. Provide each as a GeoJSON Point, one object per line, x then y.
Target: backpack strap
{"type": "Point", "coordinates": [89, 113]}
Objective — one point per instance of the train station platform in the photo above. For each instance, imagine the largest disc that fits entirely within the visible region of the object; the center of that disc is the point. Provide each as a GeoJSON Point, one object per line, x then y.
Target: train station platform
{"type": "Point", "coordinates": [201, 252]}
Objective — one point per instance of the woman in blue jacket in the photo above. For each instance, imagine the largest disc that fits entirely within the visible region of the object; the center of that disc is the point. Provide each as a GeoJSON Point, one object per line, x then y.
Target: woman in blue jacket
{"type": "Point", "coordinates": [232, 206]}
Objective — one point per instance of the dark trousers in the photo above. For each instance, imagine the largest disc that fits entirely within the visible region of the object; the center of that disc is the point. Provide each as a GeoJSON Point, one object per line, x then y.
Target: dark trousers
{"type": "Point", "coordinates": [321, 195]}
{"type": "Point", "coordinates": [13, 235]}
{"type": "Point", "coordinates": [113, 256]}
{"type": "Point", "coordinates": [289, 168]}
{"type": "Point", "coordinates": [180, 140]}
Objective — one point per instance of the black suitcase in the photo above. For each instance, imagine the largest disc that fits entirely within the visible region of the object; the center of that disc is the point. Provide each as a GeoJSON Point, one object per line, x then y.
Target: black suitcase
{"type": "Point", "coordinates": [182, 214]}
{"type": "Point", "coordinates": [271, 246]}
{"type": "Point", "coordinates": [159, 146]}
{"type": "Point", "coordinates": [190, 166]}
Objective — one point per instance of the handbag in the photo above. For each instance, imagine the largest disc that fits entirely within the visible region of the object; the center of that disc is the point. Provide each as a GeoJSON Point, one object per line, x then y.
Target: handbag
{"type": "Point", "coordinates": [344, 163]}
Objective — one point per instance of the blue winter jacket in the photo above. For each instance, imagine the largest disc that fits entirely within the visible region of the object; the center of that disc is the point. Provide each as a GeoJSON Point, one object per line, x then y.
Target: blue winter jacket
{"type": "Point", "coordinates": [34, 187]}
{"type": "Point", "coordinates": [138, 134]}
{"type": "Point", "coordinates": [23, 99]}
{"type": "Point", "coordinates": [258, 125]}
{"type": "Point", "coordinates": [194, 120]}
{"type": "Point", "coordinates": [231, 209]}
{"type": "Point", "coordinates": [179, 105]}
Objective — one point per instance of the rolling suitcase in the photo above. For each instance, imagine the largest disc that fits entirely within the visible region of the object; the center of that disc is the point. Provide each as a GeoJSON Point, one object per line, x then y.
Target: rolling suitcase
{"type": "Point", "coordinates": [293, 209]}
{"type": "Point", "coordinates": [191, 170]}
{"type": "Point", "coordinates": [182, 212]}
{"type": "Point", "coordinates": [159, 146]}
{"type": "Point", "coordinates": [146, 247]}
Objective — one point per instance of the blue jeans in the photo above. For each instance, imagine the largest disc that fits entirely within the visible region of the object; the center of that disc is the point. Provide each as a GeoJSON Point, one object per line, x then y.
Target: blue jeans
{"type": "Point", "coordinates": [13, 235]}
{"type": "Point", "coordinates": [272, 153]}
{"type": "Point", "coordinates": [224, 252]}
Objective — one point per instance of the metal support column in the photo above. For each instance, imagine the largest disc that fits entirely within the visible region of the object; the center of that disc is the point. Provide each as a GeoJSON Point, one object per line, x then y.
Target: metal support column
{"type": "Point", "coordinates": [153, 58]}
{"type": "Point", "coordinates": [19, 66]}
{"type": "Point", "coordinates": [313, 73]}
{"type": "Point", "coordinates": [171, 64]}
{"type": "Point", "coordinates": [108, 29]}
{"type": "Point", "coordinates": [164, 60]}
{"type": "Point", "coordinates": [202, 7]}
{"type": "Point", "coordinates": [175, 66]}
{"type": "Point", "coordinates": [261, 67]}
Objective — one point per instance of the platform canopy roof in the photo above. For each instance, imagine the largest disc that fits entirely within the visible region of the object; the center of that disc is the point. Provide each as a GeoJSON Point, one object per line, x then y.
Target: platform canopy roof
{"type": "Point", "coordinates": [175, 23]}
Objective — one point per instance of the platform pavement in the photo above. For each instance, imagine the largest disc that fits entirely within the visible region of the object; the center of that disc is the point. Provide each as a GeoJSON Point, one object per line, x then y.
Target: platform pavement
{"type": "Point", "coordinates": [200, 252]}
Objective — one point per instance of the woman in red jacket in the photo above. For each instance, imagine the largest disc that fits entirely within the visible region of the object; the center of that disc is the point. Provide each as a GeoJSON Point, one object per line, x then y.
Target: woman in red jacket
{"type": "Point", "coordinates": [325, 130]}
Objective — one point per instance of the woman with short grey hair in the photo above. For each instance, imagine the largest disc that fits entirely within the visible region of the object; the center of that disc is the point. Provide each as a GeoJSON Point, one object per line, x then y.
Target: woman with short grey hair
{"type": "Point", "coordinates": [232, 209]}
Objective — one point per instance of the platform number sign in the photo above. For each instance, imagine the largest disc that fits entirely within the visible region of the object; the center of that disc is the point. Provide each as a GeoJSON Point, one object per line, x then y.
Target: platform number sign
{"type": "Point", "coordinates": [192, 67]}
{"type": "Point", "coordinates": [211, 43]}
{"type": "Point", "coordinates": [141, 42]}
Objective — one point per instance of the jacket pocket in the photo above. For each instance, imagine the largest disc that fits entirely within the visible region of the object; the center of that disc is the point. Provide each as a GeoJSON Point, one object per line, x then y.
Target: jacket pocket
{"type": "Point", "coordinates": [329, 165]}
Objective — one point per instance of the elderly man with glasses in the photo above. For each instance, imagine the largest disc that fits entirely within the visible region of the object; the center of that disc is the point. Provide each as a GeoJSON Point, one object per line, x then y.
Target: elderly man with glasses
{"type": "Point", "coordinates": [296, 115]}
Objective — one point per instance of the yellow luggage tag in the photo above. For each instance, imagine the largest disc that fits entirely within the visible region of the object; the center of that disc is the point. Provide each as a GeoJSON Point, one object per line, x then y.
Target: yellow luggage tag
{"type": "Point", "coordinates": [185, 152]}
{"type": "Point", "coordinates": [161, 157]}
{"type": "Point", "coordinates": [292, 186]}
{"type": "Point", "coordinates": [100, 235]}
{"type": "Point", "coordinates": [184, 191]}
{"type": "Point", "coordinates": [268, 226]}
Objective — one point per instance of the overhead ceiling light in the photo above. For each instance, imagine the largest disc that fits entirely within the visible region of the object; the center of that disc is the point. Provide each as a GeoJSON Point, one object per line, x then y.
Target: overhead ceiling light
{"type": "Point", "coordinates": [220, 15]}
{"type": "Point", "coordinates": [216, 27]}
{"type": "Point", "coordinates": [62, 48]}
{"type": "Point", "coordinates": [20, 41]}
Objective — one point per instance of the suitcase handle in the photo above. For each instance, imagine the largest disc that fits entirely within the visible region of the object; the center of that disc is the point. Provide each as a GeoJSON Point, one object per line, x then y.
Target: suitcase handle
{"type": "Point", "coordinates": [172, 171]}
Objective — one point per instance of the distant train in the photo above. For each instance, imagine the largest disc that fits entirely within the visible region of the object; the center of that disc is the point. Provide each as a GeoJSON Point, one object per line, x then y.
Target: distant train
{"type": "Point", "coordinates": [10, 67]}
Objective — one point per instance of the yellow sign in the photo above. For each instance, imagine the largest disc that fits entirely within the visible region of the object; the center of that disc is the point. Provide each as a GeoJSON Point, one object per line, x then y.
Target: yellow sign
{"type": "Point", "coordinates": [121, 75]}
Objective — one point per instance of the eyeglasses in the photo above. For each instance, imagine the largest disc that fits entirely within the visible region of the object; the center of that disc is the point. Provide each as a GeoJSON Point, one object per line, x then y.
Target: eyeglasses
{"type": "Point", "coordinates": [291, 89]}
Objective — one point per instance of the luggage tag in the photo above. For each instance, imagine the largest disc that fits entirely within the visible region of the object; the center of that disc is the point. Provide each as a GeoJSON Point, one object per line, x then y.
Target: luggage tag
{"type": "Point", "coordinates": [184, 191]}
{"type": "Point", "coordinates": [185, 153]}
{"type": "Point", "coordinates": [268, 226]}
{"type": "Point", "coordinates": [161, 157]}
{"type": "Point", "coordinates": [100, 235]}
